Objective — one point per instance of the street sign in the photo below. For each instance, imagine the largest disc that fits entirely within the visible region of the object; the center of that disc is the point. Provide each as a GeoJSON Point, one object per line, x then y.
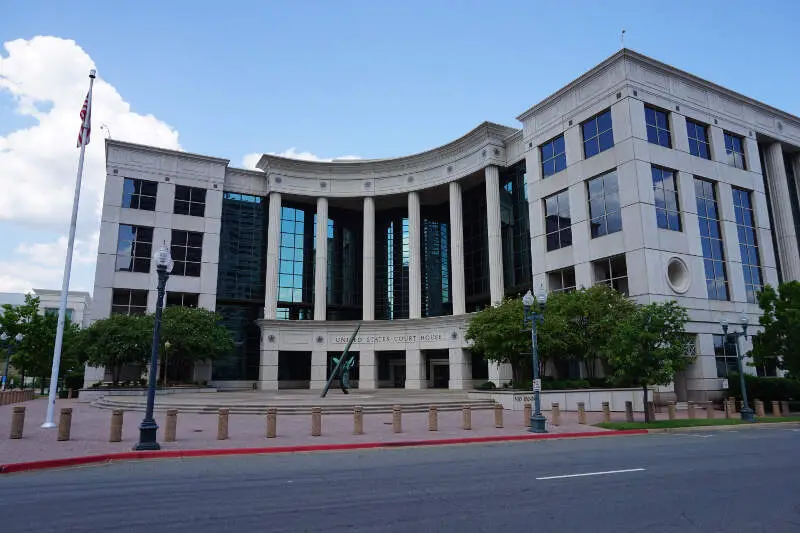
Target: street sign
{"type": "Point", "coordinates": [725, 383]}
{"type": "Point", "coordinates": [537, 385]}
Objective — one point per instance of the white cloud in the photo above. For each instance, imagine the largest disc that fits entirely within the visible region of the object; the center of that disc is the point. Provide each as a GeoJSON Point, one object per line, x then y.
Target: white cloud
{"type": "Point", "coordinates": [250, 160]}
{"type": "Point", "coordinates": [48, 79]}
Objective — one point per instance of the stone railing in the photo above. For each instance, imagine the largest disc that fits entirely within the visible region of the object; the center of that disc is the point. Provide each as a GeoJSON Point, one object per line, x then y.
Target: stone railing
{"type": "Point", "coordinates": [16, 396]}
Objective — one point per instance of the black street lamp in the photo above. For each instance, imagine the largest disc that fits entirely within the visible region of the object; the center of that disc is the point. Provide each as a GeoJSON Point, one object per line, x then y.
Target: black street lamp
{"type": "Point", "coordinates": [747, 413]}
{"type": "Point", "coordinates": [538, 421]}
{"type": "Point", "coordinates": [6, 340]}
{"type": "Point", "coordinates": [148, 427]}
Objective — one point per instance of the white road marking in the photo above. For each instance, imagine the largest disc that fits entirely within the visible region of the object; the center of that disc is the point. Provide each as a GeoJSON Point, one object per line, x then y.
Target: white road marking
{"type": "Point", "coordinates": [700, 436]}
{"type": "Point", "coordinates": [592, 474]}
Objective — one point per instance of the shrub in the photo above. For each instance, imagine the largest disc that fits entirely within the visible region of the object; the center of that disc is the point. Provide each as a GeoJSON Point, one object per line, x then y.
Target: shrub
{"type": "Point", "coordinates": [764, 389]}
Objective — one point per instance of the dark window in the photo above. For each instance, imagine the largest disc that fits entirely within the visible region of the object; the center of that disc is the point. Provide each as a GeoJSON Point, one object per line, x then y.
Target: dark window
{"type": "Point", "coordinates": [554, 157]}
{"type": "Point", "coordinates": [190, 201]}
{"type": "Point", "coordinates": [748, 243]}
{"type": "Point", "coordinates": [182, 299]}
{"type": "Point", "coordinates": [134, 248]}
{"type": "Point", "coordinates": [245, 359]}
{"type": "Point", "coordinates": [515, 229]}
{"type": "Point", "coordinates": [476, 249]}
{"type": "Point", "coordinates": [612, 271]}
{"type": "Point", "coordinates": [561, 280]}
{"type": "Point", "coordinates": [128, 302]}
{"type": "Point", "coordinates": [665, 191]}
{"type": "Point", "coordinates": [604, 208]}
{"type": "Point", "coordinates": [187, 252]}
{"type": "Point", "coordinates": [393, 254]}
{"type": "Point", "coordinates": [557, 221]}
{"type": "Point", "coordinates": [435, 263]}
{"type": "Point", "coordinates": [243, 245]}
{"type": "Point", "coordinates": [54, 311]}
{"type": "Point", "coordinates": [657, 126]}
{"type": "Point", "coordinates": [139, 194]}
{"type": "Point", "coordinates": [734, 147]}
{"type": "Point", "coordinates": [711, 239]}
{"type": "Point", "coordinates": [698, 139]}
{"type": "Point", "coordinates": [344, 275]}
{"type": "Point", "coordinates": [726, 355]}
{"type": "Point", "coordinates": [597, 134]}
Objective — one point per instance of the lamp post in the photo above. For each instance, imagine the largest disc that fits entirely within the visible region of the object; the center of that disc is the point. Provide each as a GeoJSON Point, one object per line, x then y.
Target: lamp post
{"type": "Point", "coordinates": [747, 413]}
{"type": "Point", "coordinates": [538, 421]}
{"type": "Point", "coordinates": [5, 339]}
{"type": "Point", "coordinates": [148, 427]}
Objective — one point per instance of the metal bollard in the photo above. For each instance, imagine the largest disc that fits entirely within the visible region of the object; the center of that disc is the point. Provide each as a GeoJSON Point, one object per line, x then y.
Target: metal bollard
{"type": "Point", "coordinates": [316, 421]}
{"type": "Point", "coordinates": [581, 413]}
{"type": "Point", "coordinates": [671, 410]}
{"type": "Point", "coordinates": [785, 408]}
{"type": "Point", "coordinates": [692, 411]}
{"type": "Point", "coordinates": [556, 414]}
{"type": "Point", "coordinates": [776, 409]}
{"type": "Point", "coordinates": [759, 408]}
{"type": "Point", "coordinates": [17, 422]}
{"type": "Point", "coordinates": [527, 413]}
{"type": "Point", "coordinates": [272, 422]}
{"type": "Point", "coordinates": [606, 412]}
{"type": "Point", "coordinates": [498, 416]}
{"type": "Point", "coordinates": [358, 420]}
{"type": "Point", "coordinates": [628, 411]}
{"type": "Point", "coordinates": [64, 423]}
{"type": "Point", "coordinates": [115, 435]}
{"type": "Point", "coordinates": [433, 419]}
{"type": "Point", "coordinates": [171, 427]}
{"type": "Point", "coordinates": [710, 409]}
{"type": "Point", "coordinates": [397, 419]}
{"type": "Point", "coordinates": [466, 416]}
{"type": "Point", "coordinates": [222, 424]}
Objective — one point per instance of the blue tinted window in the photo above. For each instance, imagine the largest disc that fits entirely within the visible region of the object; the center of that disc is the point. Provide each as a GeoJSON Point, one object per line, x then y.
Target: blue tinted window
{"type": "Point", "coordinates": [554, 157]}
{"type": "Point", "coordinates": [139, 194]}
{"type": "Point", "coordinates": [604, 208]}
{"type": "Point", "coordinates": [698, 139]}
{"type": "Point", "coordinates": [134, 248]}
{"type": "Point", "coordinates": [290, 262]}
{"type": "Point", "coordinates": [665, 190]}
{"type": "Point", "coordinates": [657, 126]}
{"type": "Point", "coordinates": [748, 243]}
{"type": "Point", "coordinates": [557, 221]}
{"type": "Point", "coordinates": [711, 240]}
{"type": "Point", "coordinates": [597, 134]}
{"type": "Point", "coordinates": [734, 148]}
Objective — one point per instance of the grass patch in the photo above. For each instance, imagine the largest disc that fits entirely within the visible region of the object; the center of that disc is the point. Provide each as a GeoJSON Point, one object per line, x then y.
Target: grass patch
{"type": "Point", "coordinates": [686, 423]}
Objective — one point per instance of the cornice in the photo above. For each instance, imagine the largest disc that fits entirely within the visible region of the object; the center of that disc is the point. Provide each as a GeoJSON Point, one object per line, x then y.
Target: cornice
{"type": "Point", "coordinates": [112, 143]}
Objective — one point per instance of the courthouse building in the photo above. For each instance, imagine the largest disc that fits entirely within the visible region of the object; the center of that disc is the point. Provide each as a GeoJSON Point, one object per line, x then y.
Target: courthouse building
{"type": "Point", "coordinates": [637, 175]}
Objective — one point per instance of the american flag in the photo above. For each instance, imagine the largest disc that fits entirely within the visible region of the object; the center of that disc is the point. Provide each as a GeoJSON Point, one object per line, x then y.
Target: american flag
{"type": "Point", "coordinates": [86, 122]}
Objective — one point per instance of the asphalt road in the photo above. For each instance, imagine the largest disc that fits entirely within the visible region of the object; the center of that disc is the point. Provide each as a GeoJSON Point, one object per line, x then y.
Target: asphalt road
{"type": "Point", "coordinates": [744, 480]}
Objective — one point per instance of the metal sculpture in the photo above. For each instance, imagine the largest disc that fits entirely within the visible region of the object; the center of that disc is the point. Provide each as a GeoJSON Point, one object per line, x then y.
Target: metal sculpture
{"type": "Point", "coordinates": [342, 367]}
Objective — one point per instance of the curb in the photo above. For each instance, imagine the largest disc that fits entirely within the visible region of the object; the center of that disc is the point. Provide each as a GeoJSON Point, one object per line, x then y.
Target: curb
{"type": "Point", "coordinates": [175, 454]}
{"type": "Point", "coordinates": [757, 425]}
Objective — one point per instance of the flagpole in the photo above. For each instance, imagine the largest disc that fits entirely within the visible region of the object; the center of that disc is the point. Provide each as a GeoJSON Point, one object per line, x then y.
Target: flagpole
{"type": "Point", "coordinates": [62, 309]}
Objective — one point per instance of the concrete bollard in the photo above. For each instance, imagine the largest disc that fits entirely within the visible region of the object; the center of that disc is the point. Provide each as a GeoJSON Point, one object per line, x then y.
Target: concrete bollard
{"type": "Point", "coordinates": [776, 409]}
{"type": "Point", "coordinates": [710, 409]}
{"type": "Point", "coordinates": [171, 427]}
{"type": "Point", "coordinates": [785, 408]}
{"type": "Point", "coordinates": [316, 421]}
{"type": "Point", "coordinates": [466, 416]}
{"type": "Point", "coordinates": [498, 416]}
{"type": "Point", "coordinates": [397, 419]}
{"type": "Point", "coordinates": [671, 411]}
{"type": "Point", "coordinates": [272, 422]}
{"type": "Point", "coordinates": [628, 411]}
{"type": "Point", "coordinates": [527, 413]}
{"type": "Point", "coordinates": [358, 420]}
{"type": "Point", "coordinates": [433, 419]}
{"type": "Point", "coordinates": [732, 402]}
{"type": "Point", "coordinates": [64, 423]}
{"type": "Point", "coordinates": [222, 424]}
{"type": "Point", "coordinates": [581, 413]}
{"type": "Point", "coordinates": [692, 410]}
{"type": "Point", "coordinates": [759, 408]}
{"type": "Point", "coordinates": [555, 412]}
{"type": "Point", "coordinates": [651, 406]}
{"type": "Point", "coordinates": [606, 412]}
{"type": "Point", "coordinates": [115, 435]}
{"type": "Point", "coordinates": [17, 422]}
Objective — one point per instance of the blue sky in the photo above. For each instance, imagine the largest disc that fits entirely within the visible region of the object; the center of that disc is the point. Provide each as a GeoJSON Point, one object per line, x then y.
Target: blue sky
{"type": "Point", "coordinates": [379, 78]}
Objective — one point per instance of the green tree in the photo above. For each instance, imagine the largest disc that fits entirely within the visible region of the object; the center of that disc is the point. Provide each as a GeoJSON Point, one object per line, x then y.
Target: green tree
{"type": "Point", "coordinates": [779, 341]}
{"type": "Point", "coordinates": [194, 334]}
{"type": "Point", "coordinates": [118, 341]}
{"type": "Point", "coordinates": [650, 346]}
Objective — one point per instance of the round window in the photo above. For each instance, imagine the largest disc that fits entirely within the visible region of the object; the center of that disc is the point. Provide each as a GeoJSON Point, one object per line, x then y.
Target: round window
{"type": "Point", "coordinates": [678, 275]}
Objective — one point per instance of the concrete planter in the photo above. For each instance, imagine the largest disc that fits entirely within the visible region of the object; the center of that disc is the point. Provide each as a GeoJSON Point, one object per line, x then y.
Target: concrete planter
{"type": "Point", "coordinates": [567, 400]}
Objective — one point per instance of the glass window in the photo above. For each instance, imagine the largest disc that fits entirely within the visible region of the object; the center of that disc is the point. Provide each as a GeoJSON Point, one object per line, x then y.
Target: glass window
{"type": "Point", "coordinates": [734, 148]}
{"type": "Point", "coordinates": [139, 194]}
{"type": "Point", "coordinates": [243, 244]}
{"type": "Point", "coordinates": [698, 139]}
{"type": "Point", "coordinates": [657, 126]}
{"type": "Point", "coordinates": [190, 201]}
{"type": "Point", "coordinates": [182, 299]}
{"type": "Point", "coordinates": [515, 229]}
{"type": "Point", "coordinates": [725, 353]}
{"type": "Point", "coordinates": [711, 239]}
{"type": "Point", "coordinates": [187, 252]}
{"type": "Point", "coordinates": [612, 271]}
{"type": "Point", "coordinates": [293, 259]}
{"type": "Point", "coordinates": [54, 311]}
{"type": "Point", "coordinates": [557, 221]}
{"type": "Point", "coordinates": [554, 157]}
{"type": "Point", "coordinates": [597, 134]}
{"type": "Point", "coordinates": [134, 248]}
{"type": "Point", "coordinates": [665, 190]}
{"type": "Point", "coordinates": [561, 280]}
{"type": "Point", "coordinates": [604, 208]}
{"type": "Point", "coordinates": [748, 243]}
{"type": "Point", "coordinates": [128, 302]}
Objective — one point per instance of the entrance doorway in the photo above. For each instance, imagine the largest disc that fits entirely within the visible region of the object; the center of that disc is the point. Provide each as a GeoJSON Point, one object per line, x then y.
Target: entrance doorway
{"type": "Point", "coordinates": [441, 376]}
{"type": "Point", "coordinates": [391, 369]}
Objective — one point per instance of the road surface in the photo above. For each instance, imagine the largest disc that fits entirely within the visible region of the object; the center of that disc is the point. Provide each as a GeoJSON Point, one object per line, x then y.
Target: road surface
{"type": "Point", "coordinates": [741, 480]}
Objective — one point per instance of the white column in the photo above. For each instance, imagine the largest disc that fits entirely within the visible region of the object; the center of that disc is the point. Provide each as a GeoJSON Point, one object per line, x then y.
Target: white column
{"type": "Point", "coordinates": [273, 240]}
{"type": "Point", "coordinates": [457, 289]}
{"type": "Point", "coordinates": [788, 255]}
{"type": "Point", "coordinates": [368, 283]}
{"type": "Point", "coordinates": [415, 261]}
{"type": "Point", "coordinates": [460, 369]}
{"type": "Point", "coordinates": [268, 372]}
{"type": "Point", "coordinates": [319, 369]}
{"type": "Point", "coordinates": [493, 230]}
{"type": "Point", "coordinates": [415, 370]}
{"type": "Point", "coordinates": [367, 370]}
{"type": "Point", "coordinates": [321, 263]}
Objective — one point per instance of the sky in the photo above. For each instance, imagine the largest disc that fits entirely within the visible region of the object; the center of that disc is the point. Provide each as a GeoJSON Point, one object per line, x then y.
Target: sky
{"type": "Point", "coordinates": [316, 79]}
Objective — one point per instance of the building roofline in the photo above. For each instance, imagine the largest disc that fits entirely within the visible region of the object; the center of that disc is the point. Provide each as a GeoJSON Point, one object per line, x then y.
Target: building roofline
{"type": "Point", "coordinates": [164, 151]}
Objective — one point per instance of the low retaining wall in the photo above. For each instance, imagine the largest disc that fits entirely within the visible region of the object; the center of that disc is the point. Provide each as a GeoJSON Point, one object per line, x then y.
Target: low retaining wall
{"type": "Point", "coordinates": [16, 396]}
{"type": "Point", "coordinates": [567, 400]}
{"type": "Point", "coordinates": [90, 395]}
